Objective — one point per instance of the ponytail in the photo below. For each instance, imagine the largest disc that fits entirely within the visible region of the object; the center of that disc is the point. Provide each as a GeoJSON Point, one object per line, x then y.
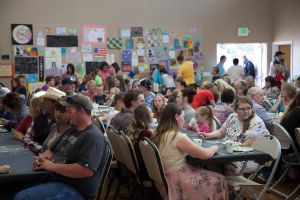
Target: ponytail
{"type": "Point", "coordinates": [291, 107]}
{"type": "Point", "coordinates": [209, 112]}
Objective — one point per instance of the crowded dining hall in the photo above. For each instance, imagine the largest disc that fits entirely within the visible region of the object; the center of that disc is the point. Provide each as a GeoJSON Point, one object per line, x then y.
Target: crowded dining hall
{"type": "Point", "coordinates": [158, 107]}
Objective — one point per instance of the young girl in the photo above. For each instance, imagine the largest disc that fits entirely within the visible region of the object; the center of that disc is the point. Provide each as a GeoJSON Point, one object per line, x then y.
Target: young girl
{"type": "Point", "coordinates": [172, 98]}
{"type": "Point", "coordinates": [96, 76]}
{"type": "Point", "coordinates": [168, 93]}
{"type": "Point", "coordinates": [158, 105]}
{"type": "Point", "coordinates": [113, 91]}
{"type": "Point", "coordinates": [279, 78]}
{"type": "Point", "coordinates": [119, 82]}
{"type": "Point", "coordinates": [204, 117]}
{"type": "Point", "coordinates": [110, 83]}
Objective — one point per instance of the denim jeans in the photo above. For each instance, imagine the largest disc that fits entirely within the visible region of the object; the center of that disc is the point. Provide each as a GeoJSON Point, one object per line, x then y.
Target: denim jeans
{"type": "Point", "coordinates": [49, 191]}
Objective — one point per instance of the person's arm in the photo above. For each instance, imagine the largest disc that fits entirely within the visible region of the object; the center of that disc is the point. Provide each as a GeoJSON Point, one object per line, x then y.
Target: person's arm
{"type": "Point", "coordinates": [18, 135]}
{"type": "Point", "coordinates": [179, 75]}
{"type": "Point", "coordinates": [282, 81]}
{"type": "Point", "coordinates": [274, 109]}
{"type": "Point", "coordinates": [212, 103]}
{"type": "Point", "coordinates": [218, 134]}
{"type": "Point", "coordinates": [28, 140]}
{"type": "Point", "coordinates": [248, 142]}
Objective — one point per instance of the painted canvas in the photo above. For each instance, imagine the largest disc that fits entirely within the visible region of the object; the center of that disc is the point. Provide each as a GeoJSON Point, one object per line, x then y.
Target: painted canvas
{"type": "Point", "coordinates": [150, 52]}
{"type": "Point", "coordinates": [164, 63]}
{"type": "Point", "coordinates": [114, 43]}
{"type": "Point", "coordinates": [153, 70]}
{"type": "Point", "coordinates": [126, 66]}
{"type": "Point", "coordinates": [126, 55]}
{"type": "Point", "coordinates": [6, 70]}
{"type": "Point", "coordinates": [22, 34]}
{"type": "Point", "coordinates": [129, 44]}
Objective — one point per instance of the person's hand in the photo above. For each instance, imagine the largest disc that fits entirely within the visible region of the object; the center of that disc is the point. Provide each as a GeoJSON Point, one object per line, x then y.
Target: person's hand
{"type": "Point", "coordinates": [203, 136]}
{"type": "Point", "coordinates": [277, 118]}
{"type": "Point", "coordinates": [279, 98]}
{"type": "Point", "coordinates": [3, 121]}
{"type": "Point", "coordinates": [103, 116]}
{"type": "Point", "coordinates": [46, 165]}
{"type": "Point", "coordinates": [195, 126]}
{"type": "Point", "coordinates": [5, 169]}
{"type": "Point", "coordinates": [38, 160]}
{"type": "Point", "coordinates": [216, 147]}
{"type": "Point", "coordinates": [113, 69]}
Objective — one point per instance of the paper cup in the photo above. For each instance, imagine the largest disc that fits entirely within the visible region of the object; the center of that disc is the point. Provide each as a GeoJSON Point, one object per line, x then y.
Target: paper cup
{"type": "Point", "coordinates": [229, 146]}
{"type": "Point", "coordinates": [198, 142]}
{"type": "Point", "coordinates": [95, 106]}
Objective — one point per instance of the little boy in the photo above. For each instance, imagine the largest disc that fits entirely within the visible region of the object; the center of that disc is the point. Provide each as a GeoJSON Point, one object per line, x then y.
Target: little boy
{"type": "Point", "coordinates": [214, 72]}
{"type": "Point", "coordinates": [99, 98]}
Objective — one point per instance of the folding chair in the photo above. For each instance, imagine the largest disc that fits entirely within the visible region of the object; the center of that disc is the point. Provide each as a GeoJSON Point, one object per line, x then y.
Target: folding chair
{"type": "Point", "coordinates": [292, 159]}
{"type": "Point", "coordinates": [105, 169]}
{"type": "Point", "coordinates": [28, 98]}
{"type": "Point", "coordinates": [218, 123]}
{"type": "Point", "coordinates": [268, 144]}
{"type": "Point", "coordinates": [98, 123]}
{"type": "Point", "coordinates": [266, 104]}
{"type": "Point", "coordinates": [153, 162]}
{"type": "Point", "coordinates": [214, 126]}
{"type": "Point", "coordinates": [132, 163]}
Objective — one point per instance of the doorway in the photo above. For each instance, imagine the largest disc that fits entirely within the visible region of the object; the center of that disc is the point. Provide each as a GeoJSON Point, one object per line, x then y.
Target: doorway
{"type": "Point", "coordinates": [287, 48]}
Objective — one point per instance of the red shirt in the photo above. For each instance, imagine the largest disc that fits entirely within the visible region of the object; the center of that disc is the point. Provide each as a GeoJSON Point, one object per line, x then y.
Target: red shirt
{"type": "Point", "coordinates": [277, 78]}
{"type": "Point", "coordinates": [202, 98]}
{"type": "Point", "coordinates": [25, 124]}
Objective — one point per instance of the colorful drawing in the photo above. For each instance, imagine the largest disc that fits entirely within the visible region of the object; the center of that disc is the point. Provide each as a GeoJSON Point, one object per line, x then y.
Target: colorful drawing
{"type": "Point", "coordinates": [80, 70]}
{"type": "Point", "coordinates": [193, 31]}
{"type": "Point", "coordinates": [72, 31]}
{"type": "Point", "coordinates": [86, 48]}
{"type": "Point", "coordinates": [22, 34]}
{"type": "Point", "coordinates": [150, 52]}
{"type": "Point", "coordinates": [153, 70]}
{"type": "Point", "coordinates": [31, 78]}
{"type": "Point", "coordinates": [134, 60]}
{"type": "Point", "coordinates": [136, 70]}
{"type": "Point", "coordinates": [140, 47]}
{"type": "Point", "coordinates": [173, 62]}
{"type": "Point", "coordinates": [6, 70]}
{"type": "Point", "coordinates": [158, 52]}
{"type": "Point", "coordinates": [40, 39]}
{"type": "Point", "coordinates": [149, 60]}
{"type": "Point", "coordinates": [197, 57]}
{"type": "Point", "coordinates": [164, 63]}
{"type": "Point", "coordinates": [172, 52]}
{"type": "Point", "coordinates": [136, 31]}
{"type": "Point", "coordinates": [177, 44]}
{"type": "Point", "coordinates": [196, 49]}
{"type": "Point", "coordinates": [126, 66]}
{"type": "Point", "coordinates": [173, 71]}
{"type": "Point", "coordinates": [114, 43]}
{"type": "Point", "coordinates": [53, 72]}
{"type": "Point", "coordinates": [181, 52]}
{"type": "Point", "coordinates": [129, 44]}
{"type": "Point", "coordinates": [141, 60]}
{"type": "Point", "coordinates": [187, 44]}
{"type": "Point", "coordinates": [92, 34]}
{"type": "Point", "coordinates": [197, 40]}
{"type": "Point", "coordinates": [126, 55]}
{"type": "Point", "coordinates": [48, 29]}
{"type": "Point", "coordinates": [173, 34]}
{"type": "Point", "coordinates": [52, 58]}
{"type": "Point", "coordinates": [131, 74]}
{"type": "Point", "coordinates": [191, 52]}
{"type": "Point", "coordinates": [18, 50]}
{"type": "Point", "coordinates": [73, 57]}
{"type": "Point", "coordinates": [125, 33]}
{"type": "Point", "coordinates": [110, 58]}
{"type": "Point", "coordinates": [32, 51]}
{"type": "Point", "coordinates": [100, 52]}
{"type": "Point", "coordinates": [154, 41]}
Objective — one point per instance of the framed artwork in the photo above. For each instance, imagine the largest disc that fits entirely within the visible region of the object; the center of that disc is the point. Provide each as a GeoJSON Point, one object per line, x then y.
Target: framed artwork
{"type": "Point", "coordinates": [7, 70]}
{"type": "Point", "coordinates": [22, 34]}
{"type": "Point", "coordinates": [93, 34]}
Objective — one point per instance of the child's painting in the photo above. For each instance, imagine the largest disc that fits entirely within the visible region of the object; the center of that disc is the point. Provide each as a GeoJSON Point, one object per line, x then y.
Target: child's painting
{"type": "Point", "coordinates": [173, 62]}
{"type": "Point", "coordinates": [126, 55]}
{"type": "Point", "coordinates": [182, 52]}
{"type": "Point", "coordinates": [129, 44]}
{"type": "Point", "coordinates": [53, 58]}
{"type": "Point", "coordinates": [164, 63]}
{"type": "Point", "coordinates": [136, 31]}
{"type": "Point", "coordinates": [197, 40]}
{"type": "Point", "coordinates": [158, 52]}
{"type": "Point", "coordinates": [150, 52]}
{"type": "Point", "coordinates": [126, 66]}
{"type": "Point", "coordinates": [177, 44]}
{"type": "Point", "coordinates": [51, 72]}
{"type": "Point", "coordinates": [80, 70]}
{"type": "Point", "coordinates": [153, 70]}
{"type": "Point", "coordinates": [191, 52]}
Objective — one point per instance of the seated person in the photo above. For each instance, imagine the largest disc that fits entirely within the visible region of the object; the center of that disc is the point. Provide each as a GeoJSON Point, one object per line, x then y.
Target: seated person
{"type": "Point", "coordinates": [91, 86]}
{"type": "Point", "coordinates": [158, 105]}
{"type": "Point", "coordinates": [223, 109]}
{"type": "Point", "coordinates": [243, 126]}
{"type": "Point", "coordinates": [75, 161]}
{"type": "Point", "coordinates": [204, 117]}
{"type": "Point", "coordinates": [50, 82]}
{"type": "Point", "coordinates": [173, 96]}
{"type": "Point", "coordinates": [68, 84]}
{"type": "Point", "coordinates": [270, 89]}
{"type": "Point", "coordinates": [204, 96]}
{"type": "Point", "coordinates": [110, 99]}
{"type": "Point", "coordinates": [121, 121]}
{"type": "Point", "coordinates": [184, 99]}
{"type": "Point", "coordinates": [99, 98]}
{"type": "Point", "coordinates": [39, 128]}
{"type": "Point", "coordinates": [145, 86]}
{"type": "Point", "coordinates": [13, 104]}
{"type": "Point", "coordinates": [3, 113]}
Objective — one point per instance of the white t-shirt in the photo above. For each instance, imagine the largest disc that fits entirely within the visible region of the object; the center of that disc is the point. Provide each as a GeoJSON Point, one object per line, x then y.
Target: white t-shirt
{"type": "Point", "coordinates": [235, 73]}
{"type": "Point", "coordinates": [169, 81]}
{"type": "Point", "coordinates": [110, 116]}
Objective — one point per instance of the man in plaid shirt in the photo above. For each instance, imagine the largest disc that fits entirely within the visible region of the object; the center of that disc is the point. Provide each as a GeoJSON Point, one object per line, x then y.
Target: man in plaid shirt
{"type": "Point", "coordinates": [121, 121]}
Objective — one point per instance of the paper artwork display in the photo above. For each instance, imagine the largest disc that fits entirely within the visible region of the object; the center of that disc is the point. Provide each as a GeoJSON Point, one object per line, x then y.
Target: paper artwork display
{"type": "Point", "coordinates": [187, 36]}
{"type": "Point", "coordinates": [125, 33]}
{"type": "Point", "coordinates": [141, 68]}
{"type": "Point", "coordinates": [150, 60]}
{"type": "Point", "coordinates": [6, 70]}
{"type": "Point", "coordinates": [166, 39]}
{"type": "Point", "coordinates": [40, 39]}
{"type": "Point", "coordinates": [5, 57]}
{"type": "Point", "coordinates": [110, 58]}
{"type": "Point", "coordinates": [181, 52]}
{"type": "Point", "coordinates": [172, 52]}
{"type": "Point", "coordinates": [72, 31]}
{"type": "Point", "coordinates": [73, 57]}
{"type": "Point", "coordinates": [31, 78]}
{"type": "Point", "coordinates": [158, 52]}
{"type": "Point", "coordinates": [146, 33]}
{"type": "Point", "coordinates": [197, 40]}
{"type": "Point", "coordinates": [53, 72]}
{"type": "Point", "coordinates": [64, 68]}
{"type": "Point", "coordinates": [136, 31]}
{"type": "Point", "coordinates": [153, 70]}
{"type": "Point", "coordinates": [48, 29]}
{"type": "Point", "coordinates": [164, 63]}
{"type": "Point", "coordinates": [62, 41]}
{"type": "Point", "coordinates": [141, 60]}
{"type": "Point", "coordinates": [140, 47]}
{"type": "Point", "coordinates": [80, 70]}
{"type": "Point", "coordinates": [114, 43]}
{"type": "Point", "coordinates": [154, 41]}
{"type": "Point", "coordinates": [150, 52]}
{"type": "Point", "coordinates": [100, 52]}
{"type": "Point", "coordinates": [177, 44]}
{"type": "Point", "coordinates": [53, 52]}
{"type": "Point", "coordinates": [18, 50]}
{"type": "Point", "coordinates": [61, 30]}
{"type": "Point", "coordinates": [26, 65]}
{"type": "Point", "coordinates": [126, 55]}
{"type": "Point", "coordinates": [129, 44]}
{"type": "Point", "coordinates": [193, 31]}
{"type": "Point", "coordinates": [134, 60]}
{"type": "Point", "coordinates": [86, 48]}
{"type": "Point", "coordinates": [32, 51]}
{"type": "Point", "coordinates": [173, 71]}
{"type": "Point", "coordinates": [41, 69]}
{"type": "Point", "coordinates": [22, 34]}
{"type": "Point", "coordinates": [173, 34]}
{"type": "Point", "coordinates": [196, 49]}
{"type": "Point", "coordinates": [173, 62]}
{"type": "Point", "coordinates": [63, 51]}
{"type": "Point", "coordinates": [53, 58]}
{"type": "Point", "coordinates": [126, 66]}
{"type": "Point", "coordinates": [187, 44]}
{"type": "Point", "coordinates": [92, 34]}
{"type": "Point", "coordinates": [91, 66]}
{"type": "Point", "coordinates": [191, 52]}
{"type": "Point", "coordinates": [136, 70]}
{"type": "Point", "coordinates": [87, 57]}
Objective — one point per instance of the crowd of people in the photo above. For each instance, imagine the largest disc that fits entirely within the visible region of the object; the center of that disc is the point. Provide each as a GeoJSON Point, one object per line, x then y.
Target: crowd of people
{"type": "Point", "coordinates": [57, 125]}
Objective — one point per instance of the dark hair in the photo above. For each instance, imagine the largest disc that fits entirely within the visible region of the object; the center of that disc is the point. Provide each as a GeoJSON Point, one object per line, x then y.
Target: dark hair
{"type": "Point", "coordinates": [116, 66]}
{"type": "Point", "coordinates": [1, 84]}
{"type": "Point", "coordinates": [222, 57]}
{"type": "Point", "coordinates": [13, 101]}
{"type": "Point", "coordinates": [244, 90]}
{"type": "Point", "coordinates": [173, 96]}
{"type": "Point", "coordinates": [271, 80]}
{"type": "Point", "coordinates": [119, 97]}
{"type": "Point", "coordinates": [88, 112]}
{"type": "Point", "coordinates": [182, 83]}
{"type": "Point", "coordinates": [126, 81]}
{"type": "Point", "coordinates": [134, 83]}
{"type": "Point", "coordinates": [216, 95]}
{"type": "Point", "coordinates": [103, 65]}
{"type": "Point", "coordinates": [189, 93]}
{"type": "Point", "coordinates": [60, 107]}
{"type": "Point", "coordinates": [18, 87]}
{"type": "Point", "coordinates": [21, 76]}
{"type": "Point", "coordinates": [49, 78]}
{"type": "Point", "coordinates": [180, 58]}
{"type": "Point", "coordinates": [131, 95]}
{"type": "Point", "coordinates": [193, 85]}
{"type": "Point", "coordinates": [57, 80]}
{"type": "Point", "coordinates": [245, 57]}
{"type": "Point", "coordinates": [72, 68]}
{"type": "Point", "coordinates": [227, 96]}
{"type": "Point", "coordinates": [235, 61]}
{"type": "Point", "coordinates": [163, 70]}
{"type": "Point", "coordinates": [295, 103]}
{"type": "Point", "coordinates": [38, 90]}
{"type": "Point", "coordinates": [216, 69]}
{"type": "Point", "coordinates": [298, 79]}
{"type": "Point", "coordinates": [110, 83]}
{"type": "Point", "coordinates": [122, 83]}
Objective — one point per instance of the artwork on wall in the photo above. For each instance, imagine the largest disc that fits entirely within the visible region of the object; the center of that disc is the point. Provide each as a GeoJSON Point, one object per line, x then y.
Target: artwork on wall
{"type": "Point", "coordinates": [48, 29]}
{"type": "Point", "coordinates": [61, 30]}
{"type": "Point", "coordinates": [114, 43]}
{"type": "Point", "coordinates": [134, 60]}
{"type": "Point", "coordinates": [125, 33]}
{"type": "Point", "coordinates": [6, 70]}
{"type": "Point", "coordinates": [140, 49]}
{"type": "Point", "coordinates": [62, 41]}
{"type": "Point", "coordinates": [191, 52]}
{"type": "Point", "coordinates": [31, 78]}
{"type": "Point", "coordinates": [126, 55]}
{"type": "Point", "coordinates": [173, 63]}
{"type": "Point", "coordinates": [93, 34]}
{"type": "Point", "coordinates": [177, 44]}
{"type": "Point", "coordinates": [18, 50]}
{"type": "Point", "coordinates": [53, 58]}
{"type": "Point", "coordinates": [172, 52]}
{"type": "Point", "coordinates": [197, 40]}
{"type": "Point", "coordinates": [187, 44]}
{"type": "Point", "coordinates": [164, 63]}
{"type": "Point", "coordinates": [153, 70]}
{"type": "Point", "coordinates": [80, 70]}
{"type": "Point", "coordinates": [86, 48]}
{"type": "Point", "coordinates": [100, 52]}
{"type": "Point", "coordinates": [40, 40]}
{"type": "Point", "coordinates": [110, 58]}
{"type": "Point", "coordinates": [32, 51]}
{"type": "Point", "coordinates": [72, 31]}
{"type": "Point", "coordinates": [141, 60]}
{"type": "Point", "coordinates": [26, 65]}
{"type": "Point", "coordinates": [129, 44]}
{"type": "Point", "coordinates": [173, 71]}
{"type": "Point", "coordinates": [154, 41]}
{"type": "Point", "coordinates": [73, 57]}
{"type": "Point", "coordinates": [158, 52]}
{"type": "Point", "coordinates": [181, 52]}
{"type": "Point", "coordinates": [150, 52]}
{"type": "Point", "coordinates": [53, 72]}
{"type": "Point", "coordinates": [136, 31]}
{"type": "Point", "coordinates": [41, 69]}
{"type": "Point", "coordinates": [22, 34]}
{"type": "Point", "coordinates": [126, 66]}
{"type": "Point", "coordinates": [91, 66]}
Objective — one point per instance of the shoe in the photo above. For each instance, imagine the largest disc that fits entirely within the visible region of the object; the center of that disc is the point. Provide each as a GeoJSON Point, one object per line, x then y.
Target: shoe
{"type": "Point", "coordinates": [265, 178]}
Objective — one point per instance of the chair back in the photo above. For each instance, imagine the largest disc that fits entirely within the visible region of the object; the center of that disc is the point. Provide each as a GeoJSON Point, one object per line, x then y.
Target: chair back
{"type": "Point", "coordinates": [297, 135]}
{"type": "Point", "coordinates": [128, 152]}
{"type": "Point", "coordinates": [105, 169]}
{"type": "Point", "coordinates": [218, 123]}
{"type": "Point", "coordinates": [282, 135]}
{"type": "Point", "coordinates": [96, 122]}
{"type": "Point", "coordinates": [113, 139]}
{"type": "Point", "coordinates": [28, 98]}
{"type": "Point", "coordinates": [102, 127]}
{"type": "Point", "coordinates": [214, 126]}
{"type": "Point", "coordinates": [266, 104]}
{"type": "Point", "coordinates": [153, 161]}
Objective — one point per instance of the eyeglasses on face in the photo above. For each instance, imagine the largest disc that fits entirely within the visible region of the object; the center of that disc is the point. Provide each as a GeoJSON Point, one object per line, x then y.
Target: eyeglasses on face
{"type": "Point", "coordinates": [244, 109]}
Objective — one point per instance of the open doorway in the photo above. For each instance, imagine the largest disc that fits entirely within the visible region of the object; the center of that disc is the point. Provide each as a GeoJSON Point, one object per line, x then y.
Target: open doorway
{"type": "Point", "coordinates": [255, 52]}
{"type": "Point", "coordinates": [287, 48]}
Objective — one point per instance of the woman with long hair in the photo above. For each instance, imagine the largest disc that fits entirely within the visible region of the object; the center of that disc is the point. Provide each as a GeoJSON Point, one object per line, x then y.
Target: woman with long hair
{"type": "Point", "coordinates": [105, 72]}
{"type": "Point", "coordinates": [287, 94]}
{"type": "Point", "coordinates": [270, 89]}
{"type": "Point", "coordinates": [116, 69]}
{"type": "Point", "coordinates": [250, 82]}
{"type": "Point", "coordinates": [110, 83]}
{"type": "Point", "coordinates": [220, 85]}
{"type": "Point", "coordinates": [17, 87]}
{"type": "Point", "coordinates": [173, 96]}
{"type": "Point", "coordinates": [158, 105]}
{"type": "Point", "coordinates": [120, 83]}
{"type": "Point", "coordinates": [182, 178]}
{"type": "Point", "coordinates": [91, 86]}
{"type": "Point", "coordinates": [168, 81]}
{"type": "Point", "coordinates": [243, 126]}
{"type": "Point", "coordinates": [70, 73]}
{"type": "Point", "coordinates": [83, 85]}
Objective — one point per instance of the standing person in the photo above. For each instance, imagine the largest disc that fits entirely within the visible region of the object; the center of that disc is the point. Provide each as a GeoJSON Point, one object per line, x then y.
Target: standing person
{"type": "Point", "coordinates": [279, 78]}
{"type": "Point", "coordinates": [70, 73]}
{"type": "Point", "coordinates": [96, 76]}
{"type": "Point", "coordinates": [17, 87]}
{"type": "Point", "coordinates": [77, 159]}
{"type": "Point", "coordinates": [50, 82]}
{"type": "Point", "coordinates": [270, 89]}
{"type": "Point", "coordinates": [223, 109]}
{"type": "Point", "coordinates": [105, 71]}
{"type": "Point", "coordinates": [145, 86]}
{"type": "Point", "coordinates": [116, 70]}
{"type": "Point", "coordinates": [184, 99]}
{"type": "Point", "coordinates": [91, 89]}
{"type": "Point", "coordinates": [119, 82]}
{"type": "Point", "coordinates": [235, 72]}
{"type": "Point", "coordinates": [182, 178]}
{"type": "Point", "coordinates": [221, 65]}
{"type": "Point", "coordinates": [168, 81]}
{"type": "Point", "coordinates": [278, 61]}
{"type": "Point", "coordinates": [248, 67]}
{"type": "Point", "coordinates": [186, 72]}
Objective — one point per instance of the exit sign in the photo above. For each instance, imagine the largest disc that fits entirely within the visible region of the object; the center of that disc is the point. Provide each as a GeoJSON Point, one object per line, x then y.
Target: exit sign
{"type": "Point", "coordinates": [243, 32]}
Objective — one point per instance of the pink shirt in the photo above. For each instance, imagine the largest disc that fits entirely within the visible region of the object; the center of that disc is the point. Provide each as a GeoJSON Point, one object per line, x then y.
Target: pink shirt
{"type": "Point", "coordinates": [205, 128]}
{"type": "Point", "coordinates": [104, 75]}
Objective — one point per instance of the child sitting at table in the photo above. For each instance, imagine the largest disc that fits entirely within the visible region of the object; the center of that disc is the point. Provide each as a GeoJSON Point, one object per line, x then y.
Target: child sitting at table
{"type": "Point", "coordinates": [168, 93]}
{"type": "Point", "coordinates": [158, 105]}
{"type": "Point", "coordinates": [204, 120]}
{"type": "Point", "coordinates": [4, 169]}
{"type": "Point", "coordinates": [99, 98]}
{"type": "Point", "coordinates": [110, 100]}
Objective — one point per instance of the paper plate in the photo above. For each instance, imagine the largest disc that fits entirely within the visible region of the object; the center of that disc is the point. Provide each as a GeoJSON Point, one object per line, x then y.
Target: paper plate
{"type": "Point", "coordinates": [242, 149]}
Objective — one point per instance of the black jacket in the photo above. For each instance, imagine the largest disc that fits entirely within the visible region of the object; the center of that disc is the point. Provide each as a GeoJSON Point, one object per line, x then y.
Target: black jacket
{"type": "Point", "coordinates": [249, 68]}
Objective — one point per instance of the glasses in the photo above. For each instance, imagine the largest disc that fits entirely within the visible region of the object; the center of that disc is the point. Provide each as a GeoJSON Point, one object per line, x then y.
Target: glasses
{"type": "Point", "coordinates": [244, 109]}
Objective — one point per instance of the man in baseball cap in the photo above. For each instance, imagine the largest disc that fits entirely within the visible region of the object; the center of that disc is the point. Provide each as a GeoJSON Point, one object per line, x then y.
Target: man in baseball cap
{"type": "Point", "coordinates": [145, 86]}
{"type": "Point", "coordinates": [68, 84]}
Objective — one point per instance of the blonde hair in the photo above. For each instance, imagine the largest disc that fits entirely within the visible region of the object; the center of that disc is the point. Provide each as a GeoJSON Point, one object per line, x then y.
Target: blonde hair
{"type": "Point", "coordinates": [278, 69]}
{"type": "Point", "coordinates": [89, 83]}
{"type": "Point", "coordinates": [227, 79]}
{"type": "Point", "coordinates": [154, 109]}
{"type": "Point", "coordinates": [207, 111]}
{"type": "Point", "coordinates": [290, 89]}
{"type": "Point", "coordinates": [207, 85]}
{"type": "Point", "coordinates": [222, 85]}
{"type": "Point", "coordinates": [113, 92]}
{"type": "Point", "coordinates": [36, 104]}
{"type": "Point", "coordinates": [251, 80]}
{"type": "Point", "coordinates": [173, 96]}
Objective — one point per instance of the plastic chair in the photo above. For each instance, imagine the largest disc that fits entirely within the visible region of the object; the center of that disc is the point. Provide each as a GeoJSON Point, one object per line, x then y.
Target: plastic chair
{"type": "Point", "coordinates": [105, 169]}
{"type": "Point", "coordinates": [98, 123]}
{"type": "Point", "coordinates": [153, 162]}
{"type": "Point", "coordinates": [292, 159]}
{"type": "Point", "coordinates": [218, 123]}
{"type": "Point", "coordinates": [268, 144]}
{"type": "Point", "coordinates": [267, 105]}
{"type": "Point", "coordinates": [28, 98]}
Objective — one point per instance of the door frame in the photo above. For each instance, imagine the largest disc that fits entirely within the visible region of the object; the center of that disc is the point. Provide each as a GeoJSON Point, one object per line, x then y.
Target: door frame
{"type": "Point", "coordinates": [275, 47]}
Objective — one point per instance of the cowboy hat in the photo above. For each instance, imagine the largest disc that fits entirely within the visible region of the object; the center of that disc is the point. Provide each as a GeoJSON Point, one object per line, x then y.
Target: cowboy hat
{"type": "Point", "coordinates": [278, 53]}
{"type": "Point", "coordinates": [53, 93]}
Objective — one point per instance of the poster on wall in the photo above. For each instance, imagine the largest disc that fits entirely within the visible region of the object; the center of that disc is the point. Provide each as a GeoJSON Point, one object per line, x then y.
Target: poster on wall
{"type": "Point", "coordinates": [53, 58]}
{"type": "Point", "coordinates": [93, 34]}
{"type": "Point", "coordinates": [22, 34]}
{"type": "Point", "coordinates": [40, 40]}
{"type": "Point", "coordinates": [41, 68]}
{"type": "Point", "coordinates": [26, 65]}
{"type": "Point", "coordinates": [31, 78]}
{"type": "Point", "coordinates": [53, 72]}
{"type": "Point", "coordinates": [6, 70]}
{"type": "Point", "coordinates": [80, 70]}
{"type": "Point", "coordinates": [153, 70]}
{"type": "Point", "coordinates": [18, 50]}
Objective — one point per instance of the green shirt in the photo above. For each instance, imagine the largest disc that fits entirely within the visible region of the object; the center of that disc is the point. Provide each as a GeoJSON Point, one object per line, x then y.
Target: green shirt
{"type": "Point", "coordinates": [214, 78]}
{"type": "Point", "coordinates": [98, 80]}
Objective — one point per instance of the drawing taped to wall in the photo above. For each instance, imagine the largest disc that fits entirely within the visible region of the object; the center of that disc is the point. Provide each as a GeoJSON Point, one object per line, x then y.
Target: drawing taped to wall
{"type": "Point", "coordinates": [93, 34]}
{"type": "Point", "coordinates": [22, 34]}
{"type": "Point", "coordinates": [26, 65]}
{"type": "Point", "coordinates": [62, 41]}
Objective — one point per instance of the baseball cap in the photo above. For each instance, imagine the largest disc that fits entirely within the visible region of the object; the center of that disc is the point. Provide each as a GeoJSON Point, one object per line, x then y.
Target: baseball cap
{"type": "Point", "coordinates": [3, 91]}
{"type": "Point", "coordinates": [78, 100]}
{"type": "Point", "coordinates": [145, 82]}
{"type": "Point", "coordinates": [68, 80]}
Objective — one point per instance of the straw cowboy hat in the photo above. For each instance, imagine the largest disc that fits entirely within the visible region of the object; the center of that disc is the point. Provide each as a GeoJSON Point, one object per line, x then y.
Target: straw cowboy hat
{"type": "Point", "coordinates": [53, 93]}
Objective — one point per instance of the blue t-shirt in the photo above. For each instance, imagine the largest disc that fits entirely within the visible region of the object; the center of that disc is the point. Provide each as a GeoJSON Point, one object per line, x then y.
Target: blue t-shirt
{"type": "Point", "coordinates": [221, 68]}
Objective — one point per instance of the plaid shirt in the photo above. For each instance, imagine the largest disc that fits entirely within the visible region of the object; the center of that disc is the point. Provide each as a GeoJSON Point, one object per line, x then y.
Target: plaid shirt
{"type": "Point", "coordinates": [149, 99]}
{"type": "Point", "coordinates": [28, 139]}
{"type": "Point", "coordinates": [262, 113]}
{"type": "Point", "coordinates": [122, 120]}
